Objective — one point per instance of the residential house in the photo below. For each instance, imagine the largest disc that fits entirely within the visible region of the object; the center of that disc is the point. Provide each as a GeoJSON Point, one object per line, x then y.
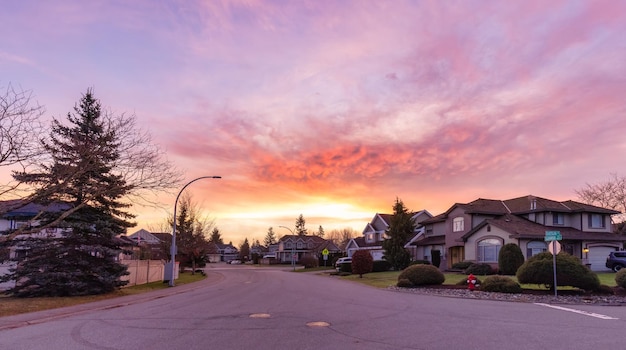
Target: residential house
{"type": "Point", "coordinates": [155, 245]}
{"type": "Point", "coordinates": [227, 252]}
{"type": "Point", "coordinates": [295, 247]}
{"type": "Point", "coordinates": [477, 230]}
{"type": "Point", "coordinates": [375, 233]}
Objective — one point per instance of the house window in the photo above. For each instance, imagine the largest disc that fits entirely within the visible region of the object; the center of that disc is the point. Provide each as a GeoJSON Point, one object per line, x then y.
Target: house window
{"type": "Point", "coordinates": [535, 247]}
{"type": "Point", "coordinates": [458, 224]}
{"type": "Point", "coordinates": [596, 221]}
{"type": "Point", "coordinates": [288, 245]}
{"type": "Point", "coordinates": [370, 237]}
{"type": "Point", "coordinates": [488, 250]}
{"type": "Point", "coordinates": [558, 219]}
{"type": "Point", "coordinates": [300, 245]}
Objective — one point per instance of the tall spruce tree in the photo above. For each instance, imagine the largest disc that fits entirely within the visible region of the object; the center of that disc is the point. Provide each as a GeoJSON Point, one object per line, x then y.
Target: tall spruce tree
{"type": "Point", "coordinates": [300, 226]}
{"type": "Point", "coordinates": [80, 258]}
{"type": "Point", "coordinates": [400, 228]}
{"type": "Point", "coordinates": [270, 237]}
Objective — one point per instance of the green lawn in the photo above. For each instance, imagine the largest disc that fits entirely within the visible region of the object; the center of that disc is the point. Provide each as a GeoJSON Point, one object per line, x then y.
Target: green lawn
{"type": "Point", "coordinates": [386, 279]}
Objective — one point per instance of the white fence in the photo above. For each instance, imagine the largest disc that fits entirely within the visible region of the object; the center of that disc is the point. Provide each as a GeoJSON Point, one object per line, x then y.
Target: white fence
{"type": "Point", "coordinates": [143, 271]}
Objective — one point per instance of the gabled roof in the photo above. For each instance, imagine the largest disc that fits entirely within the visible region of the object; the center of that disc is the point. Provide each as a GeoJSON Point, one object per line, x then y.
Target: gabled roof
{"type": "Point", "coordinates": [519, 227]}
{"type": "Point", "coordinates": [478, 206]}
{"type": "Point", "coordinates": [520, 205]}
{"type": "Point", "coordinates": [145, 236]}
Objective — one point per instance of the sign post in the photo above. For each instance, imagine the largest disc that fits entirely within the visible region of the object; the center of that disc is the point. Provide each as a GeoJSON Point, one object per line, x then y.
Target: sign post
{"type": "Point", "coordinates": [325, 254]}
{"type": "Point", "coordinates": [553, 237]}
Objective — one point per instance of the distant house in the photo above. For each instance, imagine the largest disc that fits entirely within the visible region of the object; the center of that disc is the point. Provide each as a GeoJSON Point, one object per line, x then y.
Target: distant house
{"type": "Point", "coordinates": [155, 245]}
{"type": "Point", "coordinates": [295, 247]}
{"type": "Point", "coordinates": [227, 252]}
{"type": "Point", "coordinates": [477, 230]}
{"type": "Point", "coordinates": [375, 233]}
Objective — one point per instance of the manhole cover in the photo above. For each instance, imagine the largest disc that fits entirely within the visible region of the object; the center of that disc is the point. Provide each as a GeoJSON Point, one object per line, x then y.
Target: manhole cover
{"type": "Point", "coordinates": [259, 315]}
{"type": "Point", "coordinates": [318, 324]}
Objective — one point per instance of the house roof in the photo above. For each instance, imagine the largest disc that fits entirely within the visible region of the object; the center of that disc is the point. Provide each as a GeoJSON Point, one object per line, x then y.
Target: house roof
{"type": "Point", "coordinates": [360, 242]}
{"type": "Point", "coordinates": [432, 240]}
{"type": "Point", "coordinates": [18, 208]}
{"type": "Point", "coordinates": [519, 205]}
{"type": "Point", "coordinates": [522, 228]}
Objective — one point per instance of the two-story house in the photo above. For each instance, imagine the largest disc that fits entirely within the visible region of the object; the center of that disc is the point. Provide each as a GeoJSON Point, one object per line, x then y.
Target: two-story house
{"type": "Point", "coordinates": [477, 230]}
{"type": "Point", "coordinates": [294, 247]}
{"type": "Point", "coordinates": [374, 234]}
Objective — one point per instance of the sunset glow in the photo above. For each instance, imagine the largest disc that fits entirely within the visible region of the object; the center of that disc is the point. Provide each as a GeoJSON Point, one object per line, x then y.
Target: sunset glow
{"type": "Point", "coordinates": [333, 109]}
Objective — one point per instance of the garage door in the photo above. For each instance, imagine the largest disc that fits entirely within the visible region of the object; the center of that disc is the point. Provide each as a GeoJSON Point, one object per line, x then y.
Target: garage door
{"type": "Point", "coordinates": [597, 257]}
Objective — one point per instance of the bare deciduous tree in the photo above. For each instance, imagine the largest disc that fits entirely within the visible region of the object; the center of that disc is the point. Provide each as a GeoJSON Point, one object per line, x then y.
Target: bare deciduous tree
{"type": "Point", "coordinates": [609, 194]}
{"type": "Point", "coordinates": [20, 130]}
{"type": "Point", "coordinates": [342, 237]}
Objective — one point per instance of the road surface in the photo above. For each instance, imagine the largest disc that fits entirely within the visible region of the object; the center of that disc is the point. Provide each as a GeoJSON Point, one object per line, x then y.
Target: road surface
{"type": "Point", "coordinates": [244, 307]}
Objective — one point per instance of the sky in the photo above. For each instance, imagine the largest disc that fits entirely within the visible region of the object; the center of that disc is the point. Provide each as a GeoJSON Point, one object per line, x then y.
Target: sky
{"type": "Point", "coordinates": [335, 109]}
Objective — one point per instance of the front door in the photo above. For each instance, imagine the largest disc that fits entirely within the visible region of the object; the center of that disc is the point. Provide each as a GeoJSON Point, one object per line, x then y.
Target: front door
{"type": "Point", "coordinates": [457, 254]}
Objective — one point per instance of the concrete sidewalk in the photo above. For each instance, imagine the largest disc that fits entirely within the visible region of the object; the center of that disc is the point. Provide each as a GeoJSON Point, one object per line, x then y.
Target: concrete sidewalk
{"type": "Point", "coordinates": [30, 318]}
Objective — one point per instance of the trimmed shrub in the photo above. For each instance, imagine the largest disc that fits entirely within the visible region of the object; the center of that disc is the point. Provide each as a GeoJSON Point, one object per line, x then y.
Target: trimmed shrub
{"type": "Point", "coordinates": [510, 259]}
{"type": "Point", "coordinates": [500, 284]}
{"type": "Point", "coordinates": [308, 261]}
{"type": "Point", "coordinates": [362, 262]}
{"type": "Point", "coordinates": [404, 283]}
{"type": "Point", "coordinates": [605, 290]}
{"type": "Point", "coordinates": [569, 272]}
{"type": "Point", "coordinates": [419, 262]}
{"type": "Point", "coordinates": [420, 275]}
{"type": "Point", "coordinates": [479, 269]}
{"type": "Point", "coordinates": [381, 266]}
{"type": "Point", "coordinates": [462, 265]}
{"type": "Point", "coordinates": [620, 278]}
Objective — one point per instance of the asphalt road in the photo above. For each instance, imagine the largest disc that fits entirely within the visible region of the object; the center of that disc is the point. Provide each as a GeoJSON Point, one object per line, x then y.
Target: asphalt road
{"type": "Point", "coordinates": [242, 307]}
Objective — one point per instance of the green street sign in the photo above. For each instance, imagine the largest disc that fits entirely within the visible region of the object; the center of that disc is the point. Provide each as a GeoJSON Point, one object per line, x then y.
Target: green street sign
{"type": "Point", "coordinates": [553, 236]}
{"type": "Point", "coordinates": [325, 251]}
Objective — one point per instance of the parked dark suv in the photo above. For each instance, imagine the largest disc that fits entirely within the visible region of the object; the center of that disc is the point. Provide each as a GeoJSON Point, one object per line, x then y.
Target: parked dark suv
{"type": "Point", "coordinates": [616, 260]}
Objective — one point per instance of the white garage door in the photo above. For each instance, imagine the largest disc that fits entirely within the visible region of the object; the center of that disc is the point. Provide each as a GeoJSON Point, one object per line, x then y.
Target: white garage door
{"type": "Point", "coordinates": [597, 257]}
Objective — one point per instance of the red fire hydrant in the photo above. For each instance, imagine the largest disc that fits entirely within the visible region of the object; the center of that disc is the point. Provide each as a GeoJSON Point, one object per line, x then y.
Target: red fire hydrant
{"type": "Point", "coordinates": [472, 283]}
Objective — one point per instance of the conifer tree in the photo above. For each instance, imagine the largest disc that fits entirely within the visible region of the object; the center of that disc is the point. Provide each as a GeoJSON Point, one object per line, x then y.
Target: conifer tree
{"type": "Point", "coordinates": [400, 229]}
{"type": "Point", "coordinates": [80, 258]}
{"type": "Point", "coordinates": [270, 237]}
{"type": "Point", "coordinates": [300, 223]}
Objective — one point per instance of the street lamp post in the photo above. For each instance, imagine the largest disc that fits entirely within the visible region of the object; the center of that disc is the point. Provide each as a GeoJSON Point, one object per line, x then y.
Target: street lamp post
{"type": "Point", "coordinates": [293, 247]}
{"type": "Point", "coordinates": [169, 271]}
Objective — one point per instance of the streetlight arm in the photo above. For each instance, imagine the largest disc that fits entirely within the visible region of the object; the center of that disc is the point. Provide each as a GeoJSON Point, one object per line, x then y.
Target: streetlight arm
{"type": "Point", "coordinates": [173, 245]}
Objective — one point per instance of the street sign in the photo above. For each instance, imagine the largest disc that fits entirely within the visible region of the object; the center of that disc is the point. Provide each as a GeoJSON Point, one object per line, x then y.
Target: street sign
{"type": "Point", "coordinates": [554, 247]}
{"type": "Point", "coordinates": [553, 236]}
{"type": "Point", "coordinates": [325, 251]}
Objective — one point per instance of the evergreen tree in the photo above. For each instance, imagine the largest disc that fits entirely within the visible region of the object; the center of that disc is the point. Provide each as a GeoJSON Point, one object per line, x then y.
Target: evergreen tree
{"type": "Point", "coordinates": [320, 232]}
{"type": "Point", "coordinates": [80, 259]}
{"type": "Point", "coordinates": [216, 237]}
{"type": "Point", "coordinates": [300, 229]}
{"type": "Point", "coordinates": [400, 228]}
{"type": "Point", "coordinates": [270, 238]}
{"type": "Point", "coordinates": [244, 250]}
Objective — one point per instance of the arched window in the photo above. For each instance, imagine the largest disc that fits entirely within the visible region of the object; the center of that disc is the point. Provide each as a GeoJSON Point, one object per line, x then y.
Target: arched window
{"type": "Point", "coordinates": [535, 247]}
{"type": "Point", "coordinates": [488, 249]}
